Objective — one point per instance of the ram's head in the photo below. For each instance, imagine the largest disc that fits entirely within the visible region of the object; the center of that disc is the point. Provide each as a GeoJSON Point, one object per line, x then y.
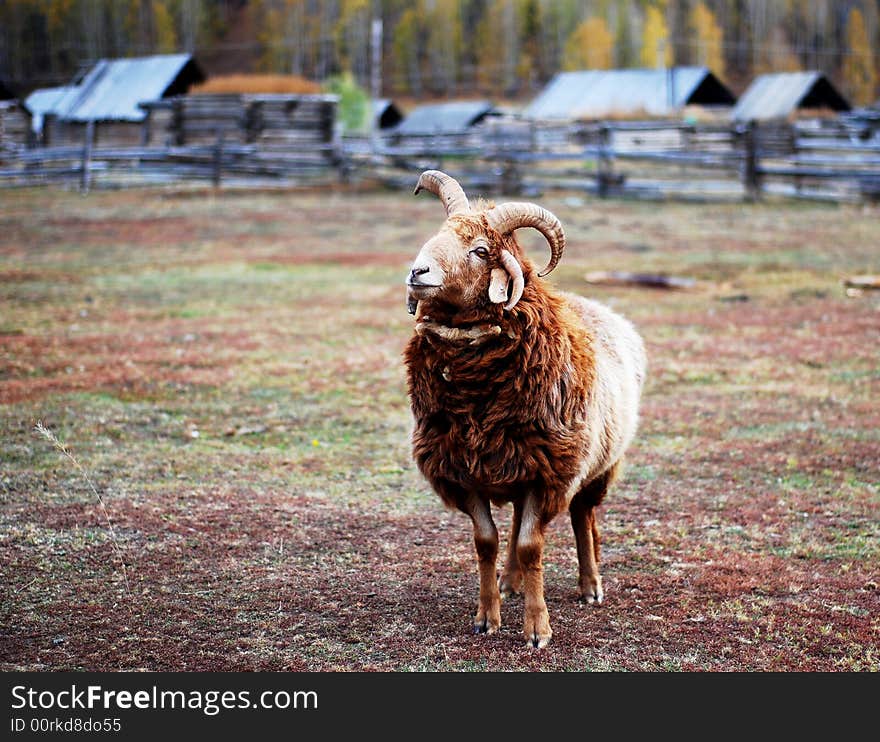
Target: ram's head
{"type": "Point", "coordinates": [474, 259]}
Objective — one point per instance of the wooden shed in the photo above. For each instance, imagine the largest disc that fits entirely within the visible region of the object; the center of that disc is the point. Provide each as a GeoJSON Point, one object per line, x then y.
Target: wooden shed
{"type": "Point", "coordinates": [15, 127]}
{"type": "Point", "coordinates": [785, 94]}
{"type": "Point", "coordinates": [589, 95]}
{"type": "Point", "coordinates": [109, 96]}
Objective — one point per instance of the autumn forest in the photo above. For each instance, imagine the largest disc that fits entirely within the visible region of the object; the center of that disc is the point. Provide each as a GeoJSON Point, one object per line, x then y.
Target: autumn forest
{"type": "Point", "coordinates": [430, 48]}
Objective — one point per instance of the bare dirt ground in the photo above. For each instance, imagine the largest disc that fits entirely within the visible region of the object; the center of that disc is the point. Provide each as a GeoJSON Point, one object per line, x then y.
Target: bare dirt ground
{"type": "Point", "coordinates": [226, 370]}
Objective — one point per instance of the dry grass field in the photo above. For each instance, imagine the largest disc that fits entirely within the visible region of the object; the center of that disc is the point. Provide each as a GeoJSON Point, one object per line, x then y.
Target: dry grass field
{"type": "Point", "coordinates": [225, 371]}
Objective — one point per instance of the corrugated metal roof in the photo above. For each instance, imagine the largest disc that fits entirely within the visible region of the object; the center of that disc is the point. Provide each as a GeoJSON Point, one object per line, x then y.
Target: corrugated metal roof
{"type": "Point", "coordinates": [112, 89]}
{"type": "Point", "coordinates": [444, 118]}
{"type": "Point", "coordinates": [592, 94]}
{"type": "Point", "coordinates": [44, 101]}
{"type": "Point", "coordinates": [777, 95]}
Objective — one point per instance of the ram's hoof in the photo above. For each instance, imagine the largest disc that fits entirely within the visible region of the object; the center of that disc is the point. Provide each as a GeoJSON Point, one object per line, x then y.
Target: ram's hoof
{"type": "Point", "coordinates": [538, 641]}
{"type": "Point", "coordinates": [592, 593]}
{"type": "Point", "coordinates": [487, 621]}
{"type": "Point", "coordinates": [510, 584]}
{"type": "Point", "coordinates": [537, 628]}
{"type": "Point", "coordinates": [485, 627]}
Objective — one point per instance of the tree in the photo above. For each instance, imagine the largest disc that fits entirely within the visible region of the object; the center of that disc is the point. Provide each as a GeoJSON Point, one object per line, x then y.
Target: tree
{"type": "Point", "coordinates": [444, 45]}
{"type": "Point", "coordinates": [355, 108]}
{"type": "Point", "coordinates": [117, 15]}
{"type": "Point", "coordinates": [138, 27]}
{"type": "Point", "coordinates": [776, 54]}
{"type": "Point", "coordinates": [498, 47]}
{"type": "Point", "coordinates": [89, 26]}
{"type": "Point", "coordinates": [656, 47]}
{"type": "Point", "coordinates": [558, 18]}
{"type": "Point", "coordinates": [353, 38]}
{"type": "Point", "coordinates": [590, 46]}
{"type": "Point", "coordinates": [405, 52]}
{"type": "Point", "coordinates": [771, 37]}
{"type": "Point", "coordinates": [859, 72]}
{"type": "Point", "coordinates": [709, 39]}
{"type": "Point", "coordinates": [624, 47]}
{"type": "Point", "coordinates": [189, 13]}
{"type": "Point", "coordinates": [166, 36]}
{"type": "Point", "coordinates": [267, 19]}
{"type": "Point", "coordinates": [296, 29]}
{"type": "Point", "coordinates": [529, 67]}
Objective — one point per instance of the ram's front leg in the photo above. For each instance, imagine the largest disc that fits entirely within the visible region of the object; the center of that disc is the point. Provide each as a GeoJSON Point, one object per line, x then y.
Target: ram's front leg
{"type": "Point", "coordinates": [530, 553]}
{"type": "Point", "coordinates": [488, 618]}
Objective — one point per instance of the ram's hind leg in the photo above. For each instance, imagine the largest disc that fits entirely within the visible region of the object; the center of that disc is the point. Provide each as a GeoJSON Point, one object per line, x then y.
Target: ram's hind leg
{"type": "Point", "coordinates": [488, 618]}
{"type": "Point", "coordinates": [511, 578]}
{"type": "Point", "coordinates": [586, 534]}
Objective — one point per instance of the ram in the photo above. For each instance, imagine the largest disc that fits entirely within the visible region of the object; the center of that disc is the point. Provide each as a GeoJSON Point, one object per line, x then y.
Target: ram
{"type": "Point", "coordinates": [520, 394]}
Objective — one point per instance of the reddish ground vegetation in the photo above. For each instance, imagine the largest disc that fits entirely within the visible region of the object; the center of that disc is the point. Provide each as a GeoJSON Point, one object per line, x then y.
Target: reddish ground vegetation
{"type": "Point", "coordinates": [226, 370]}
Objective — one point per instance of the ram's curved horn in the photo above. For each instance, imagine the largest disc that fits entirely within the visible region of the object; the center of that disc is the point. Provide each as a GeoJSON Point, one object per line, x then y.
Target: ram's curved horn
{"type": "Point", "coordinates": [511, 265]}
{"type": "Point", "coordinates": [447, 188]}
{"type": "Point", "coordinates": [506, 217]}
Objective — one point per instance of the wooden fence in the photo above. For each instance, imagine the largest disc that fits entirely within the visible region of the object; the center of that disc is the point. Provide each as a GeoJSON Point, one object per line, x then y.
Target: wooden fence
{"type": "Point", "coordinates": [250, 139]}
{"type": "Point", "coordinates": [214, 138]}
{"type": "Point", "coordinates": [656, 159]}
{"type": "Point", "coordinates": [221, 162]}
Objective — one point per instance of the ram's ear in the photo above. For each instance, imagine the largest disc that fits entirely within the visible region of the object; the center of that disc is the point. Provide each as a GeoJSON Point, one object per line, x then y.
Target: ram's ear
{"type": "Point", "coordinates": [498, 285]}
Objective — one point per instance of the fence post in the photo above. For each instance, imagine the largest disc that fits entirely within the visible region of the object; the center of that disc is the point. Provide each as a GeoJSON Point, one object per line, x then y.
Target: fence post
{"type": "Point", "coordinates": [177, 130]}
{"type": "Point", "coordinates": [798, 180]}
{"type": "Point", "coordinates": [86, 173]}
{"type": "Point", "coordinates": [751, 172]}
{"type": "Point", "coordinates": [604, 166]}
{"type": "Point", "coordinates": [147, 127]}
{"type": "Point", "coordinates": [218, 159]}
{"type": "Point", "coordinates": [511, 177]}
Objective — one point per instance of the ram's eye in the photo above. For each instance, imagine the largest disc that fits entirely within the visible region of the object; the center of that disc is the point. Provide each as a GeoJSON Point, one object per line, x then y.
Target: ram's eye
{"type": "Point", "coordinates": [481, 252]}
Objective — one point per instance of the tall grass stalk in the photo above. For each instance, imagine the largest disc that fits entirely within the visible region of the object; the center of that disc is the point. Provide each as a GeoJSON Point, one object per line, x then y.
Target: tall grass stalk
{"type": "Point", "coordinates": [65, 451]}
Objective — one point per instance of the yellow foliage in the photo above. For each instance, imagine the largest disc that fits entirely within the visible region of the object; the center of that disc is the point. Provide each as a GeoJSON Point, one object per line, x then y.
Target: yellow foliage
{"type": "Point", "coordinates": [492, 72]}
{"type": "Point", "coordinates": [445, 40]}
{"type": "Point", "coordinates": [859, 70]}
{"type": "Point", "coordinates": [709, 39]}
{"type": "Point", "coordinates": [354, 7]}
{"type": "Point", "coordinates": [656, 46]}
{"type": "Point", "coordinates": [590, 46]}
{"type": "Point", "coordinates": [777, 55]}
{"type": "Point", "coordinates": [58, 14]}
{"type": "Point", "coordinates": [405, 50]}
{"type": "Point", "coordinates": [166, 36]}
{"type": "Point", "coordinates": [352, 33]}
{"type": "Point", "coordinates": [271, 36]}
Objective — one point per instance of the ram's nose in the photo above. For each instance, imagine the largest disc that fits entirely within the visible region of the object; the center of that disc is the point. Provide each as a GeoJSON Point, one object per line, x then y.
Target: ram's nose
{"type": "Point", "coordinates": [414, 274]}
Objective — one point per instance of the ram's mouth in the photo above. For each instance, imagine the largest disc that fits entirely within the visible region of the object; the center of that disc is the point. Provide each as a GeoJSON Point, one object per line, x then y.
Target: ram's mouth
{"type": "Point", "coordinates": [417, 291]}
{"type": "Point", "coordinates": [422, 290]}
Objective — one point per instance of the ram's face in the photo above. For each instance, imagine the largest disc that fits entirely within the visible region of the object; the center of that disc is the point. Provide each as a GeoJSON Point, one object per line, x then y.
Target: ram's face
{"type": "Point", "coordinates": [473, 259]}
{"type": "Point", "coordinates": [458, 270]}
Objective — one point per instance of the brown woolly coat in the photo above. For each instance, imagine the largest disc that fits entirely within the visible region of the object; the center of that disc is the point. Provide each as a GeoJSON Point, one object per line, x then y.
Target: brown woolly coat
{"type": "Point", "coordinates": [517, 413]}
